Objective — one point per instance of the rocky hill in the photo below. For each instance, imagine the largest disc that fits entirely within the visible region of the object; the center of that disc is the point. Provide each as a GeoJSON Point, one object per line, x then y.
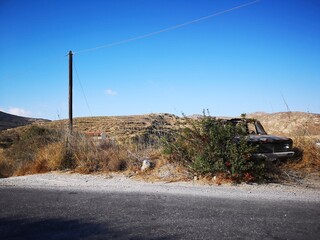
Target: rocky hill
{"type": "Point", "coordinates": [11, 121]}
{"type": "Point", "coordinates": [289, 123]}
{"type": "Point", "coordinates": [130, 127]}
{"type": "Point", "coordinates": [282, 123]}
{"type": "Point", "coordinates": [125, 127]}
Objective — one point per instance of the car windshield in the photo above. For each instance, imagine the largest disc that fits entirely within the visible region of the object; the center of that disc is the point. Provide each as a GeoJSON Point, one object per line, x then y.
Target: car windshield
{"type": "Point", "coordinates": [249, 126]}
{"type": "Point", "coordinates": [260, 129]}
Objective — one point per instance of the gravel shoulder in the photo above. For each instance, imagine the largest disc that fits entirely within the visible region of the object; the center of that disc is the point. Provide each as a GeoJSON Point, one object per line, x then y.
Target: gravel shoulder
{"type": "Point", "coordinates": [121, 183]}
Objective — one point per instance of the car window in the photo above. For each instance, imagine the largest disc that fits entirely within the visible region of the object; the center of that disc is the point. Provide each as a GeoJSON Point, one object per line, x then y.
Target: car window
{"type": "Point", "coordinates": [260, 129]}
{"type": "Point", "coordinates": [251, 128]}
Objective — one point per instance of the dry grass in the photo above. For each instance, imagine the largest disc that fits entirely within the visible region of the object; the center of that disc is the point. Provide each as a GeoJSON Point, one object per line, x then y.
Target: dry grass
{"type": "Point", "coordinates": [21, 147]}
{"type": "Point", "coordinates": [307, 155]}
{"type": "Point", "coordinates": [125, 129]}
{"type": "Point", "coordinates": [168, 172]}
{"type": "Point", "coordinates": [89, 156]}
{"type": "Point", "coordinates": [47, 158]}
{"type": "Point", "coordinates": [50, 157]}
{"type": "Point", "coordinates": [38, 153]}
{"type": "Point", "coordinates": [6, 167]}
{"type": "Point", "coordinates": [131, 147]}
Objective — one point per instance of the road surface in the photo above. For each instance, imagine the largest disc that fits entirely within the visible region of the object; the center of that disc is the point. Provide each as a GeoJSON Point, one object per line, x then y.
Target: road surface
{"type": "Point", "coordinates": [33, 213]}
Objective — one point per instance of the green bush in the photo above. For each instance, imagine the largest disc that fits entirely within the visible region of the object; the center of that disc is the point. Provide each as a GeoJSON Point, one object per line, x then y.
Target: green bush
{"type": "Point", "coordinates": [209, 146]}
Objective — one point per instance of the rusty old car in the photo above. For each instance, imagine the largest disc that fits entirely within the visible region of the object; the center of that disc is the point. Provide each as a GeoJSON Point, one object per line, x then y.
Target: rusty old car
{"type": "Point", "coordinates": [268, 147]}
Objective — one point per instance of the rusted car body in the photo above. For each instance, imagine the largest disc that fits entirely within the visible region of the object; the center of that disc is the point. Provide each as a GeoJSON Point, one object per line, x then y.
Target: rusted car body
{"type": "Point", "coordinates": [269, 147]}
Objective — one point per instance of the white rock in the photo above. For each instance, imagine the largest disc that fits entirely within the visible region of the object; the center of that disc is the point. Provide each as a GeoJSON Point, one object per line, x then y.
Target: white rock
{"type": "Point", "coordinates": [145, 165]}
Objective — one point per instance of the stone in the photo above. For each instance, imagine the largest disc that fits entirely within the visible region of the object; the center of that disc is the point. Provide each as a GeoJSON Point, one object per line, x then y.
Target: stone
{"type": "Point", "coordinates": [146, 164]}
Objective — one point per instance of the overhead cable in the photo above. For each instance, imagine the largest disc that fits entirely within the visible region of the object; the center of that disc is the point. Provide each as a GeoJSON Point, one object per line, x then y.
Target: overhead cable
{"type": "Point", "coordinates": [84, 95]}
{"type": "Point", "coordinates": [167, 29]}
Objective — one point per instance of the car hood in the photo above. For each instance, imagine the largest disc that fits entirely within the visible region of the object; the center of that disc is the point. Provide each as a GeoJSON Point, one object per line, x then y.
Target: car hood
{"type": "Point", "coordinates": [268, 138]}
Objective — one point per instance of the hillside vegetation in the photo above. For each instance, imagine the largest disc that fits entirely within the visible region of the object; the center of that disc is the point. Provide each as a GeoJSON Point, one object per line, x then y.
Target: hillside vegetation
{"type": "Point", "coordinates": [123, 128]}
{"type": "Point", "coordinates": [290, 123]}
{"type": "Point", "coordinates": [46, 146]}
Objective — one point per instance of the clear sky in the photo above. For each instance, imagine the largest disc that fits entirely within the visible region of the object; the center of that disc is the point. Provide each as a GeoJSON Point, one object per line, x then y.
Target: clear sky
{"type": "Point", "coordinates": [261, 57]}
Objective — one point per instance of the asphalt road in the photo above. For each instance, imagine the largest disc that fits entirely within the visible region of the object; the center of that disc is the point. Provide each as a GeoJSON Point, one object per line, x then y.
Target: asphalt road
{"type": "Point", "coordinates": [62, 214]}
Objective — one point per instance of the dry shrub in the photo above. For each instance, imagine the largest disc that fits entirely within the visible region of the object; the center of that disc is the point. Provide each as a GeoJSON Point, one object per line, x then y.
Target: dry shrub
{"type": "Point", "coordinates": [39, 150]}
{"type": "Point", "coordinates": [84, 155]}
{"type": "Point", "coordinates": [118, 159]}
{"type": "Point", "coordinates": [50, 157]}
{"type": "Point", "coordinates": [6, 167]}
{"type": "Point", "coordinates": [90, 156]}
{"type": "Point", "coordinates": [22, 170]}
{"type": "Point", "coordinates": [21, 156]}
{"type": "Point", "coordinates": [307, 155]}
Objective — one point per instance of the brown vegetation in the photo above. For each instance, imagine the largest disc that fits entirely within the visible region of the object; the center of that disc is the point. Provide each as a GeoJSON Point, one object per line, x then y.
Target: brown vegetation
{"type": "Point", "coordinates": [131, 139]}
{"type": "Point", "coordinates": [290, 123]}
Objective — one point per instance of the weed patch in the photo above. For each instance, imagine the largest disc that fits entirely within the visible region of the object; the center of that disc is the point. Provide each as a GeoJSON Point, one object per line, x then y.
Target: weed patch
{"type": "Point", "coordinates": [37, 150]}
{"type": "Point", "coordinates": [307, 155]}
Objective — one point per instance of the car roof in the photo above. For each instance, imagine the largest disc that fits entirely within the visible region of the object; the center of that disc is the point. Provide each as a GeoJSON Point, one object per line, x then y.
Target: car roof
{"type": "Point", "coordinates": [241, 120]}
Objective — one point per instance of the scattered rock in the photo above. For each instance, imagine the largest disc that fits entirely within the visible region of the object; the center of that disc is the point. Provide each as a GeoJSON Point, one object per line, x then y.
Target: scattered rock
{"type": "Point", "coordinates": [146, 164]}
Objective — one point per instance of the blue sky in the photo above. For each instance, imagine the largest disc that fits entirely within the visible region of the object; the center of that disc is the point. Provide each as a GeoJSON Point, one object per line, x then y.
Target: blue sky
{"type": "Point", "coordinates": [256, 58]}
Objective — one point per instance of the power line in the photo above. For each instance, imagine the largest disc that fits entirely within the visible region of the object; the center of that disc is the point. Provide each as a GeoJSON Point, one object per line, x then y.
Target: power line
{"type": "Point", "coordinates": [84, 95]}
{"type": "Point", "coordinates": [167, 29]}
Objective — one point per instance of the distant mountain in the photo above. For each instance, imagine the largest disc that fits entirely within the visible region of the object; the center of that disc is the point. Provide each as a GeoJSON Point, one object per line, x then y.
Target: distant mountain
{"type": "Point", "coordinates": [11, 121]}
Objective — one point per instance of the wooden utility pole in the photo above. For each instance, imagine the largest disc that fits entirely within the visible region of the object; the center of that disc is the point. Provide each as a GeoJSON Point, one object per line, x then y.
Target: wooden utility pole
{"type": "Point", "coordinates": [70, 91]}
